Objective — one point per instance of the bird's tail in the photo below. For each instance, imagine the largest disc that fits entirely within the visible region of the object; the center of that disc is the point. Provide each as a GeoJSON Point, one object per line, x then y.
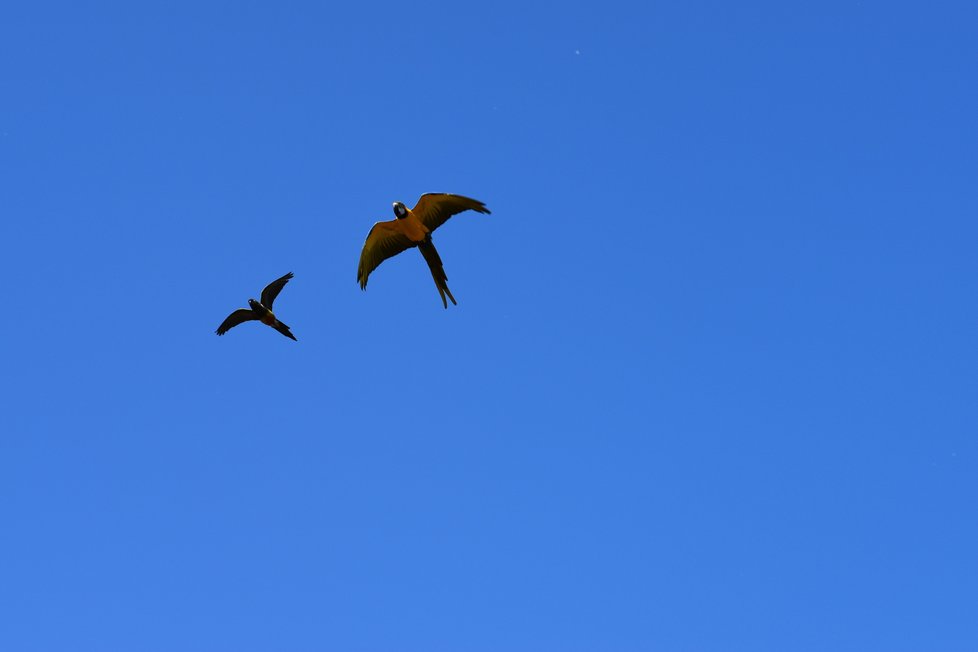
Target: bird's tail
{"type": "Point", "coordinates": [437, 270]}
{"type": "Point", "coordinates": [284, 330]}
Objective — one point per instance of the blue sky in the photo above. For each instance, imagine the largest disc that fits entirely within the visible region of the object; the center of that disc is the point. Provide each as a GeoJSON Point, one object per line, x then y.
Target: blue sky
{"type": "Point", "coordinates": [710, 384]}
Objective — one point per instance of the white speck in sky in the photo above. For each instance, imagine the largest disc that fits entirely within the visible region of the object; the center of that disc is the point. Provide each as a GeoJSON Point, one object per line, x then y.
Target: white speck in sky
{"type": "Point", "coordinates": [577, 52]}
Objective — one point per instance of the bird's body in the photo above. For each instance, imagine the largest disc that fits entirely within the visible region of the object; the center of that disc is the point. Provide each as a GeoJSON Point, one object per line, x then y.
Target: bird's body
{"type": "Point", "coordinates": [412, 228]}
{"type": "Point", "coordinates": [260, 311]}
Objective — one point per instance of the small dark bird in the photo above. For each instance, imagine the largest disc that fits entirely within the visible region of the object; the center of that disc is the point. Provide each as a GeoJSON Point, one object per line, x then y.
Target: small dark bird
{"type": "Point", "coordinates": [260, 311]}
{"type": "Point", "coordinates": [412, 228]}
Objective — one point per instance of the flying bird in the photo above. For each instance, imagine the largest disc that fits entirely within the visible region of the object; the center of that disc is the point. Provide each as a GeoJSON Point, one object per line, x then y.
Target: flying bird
{"type": "Point", "coordinates": [412, 228]}
{"type": "Point", "coordinates": [261, 311]}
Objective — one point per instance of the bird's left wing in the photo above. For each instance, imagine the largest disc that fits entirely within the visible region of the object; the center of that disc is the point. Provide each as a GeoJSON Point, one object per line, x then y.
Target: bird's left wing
{"type": "Point", "coordinates": [384, 241]}
{"type": "Point", "coordinates": [239, 316]}
{"type": "Point", "coordinates": [272, 289]}
{"type": "Point", "coordinates": [434, 208]}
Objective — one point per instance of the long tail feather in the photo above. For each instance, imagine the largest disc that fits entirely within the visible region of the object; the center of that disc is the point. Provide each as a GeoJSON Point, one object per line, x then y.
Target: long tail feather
{"type": "Point", "coordinates": [437, 270]}
{"type": "Point", "coordinates": [284, 330]}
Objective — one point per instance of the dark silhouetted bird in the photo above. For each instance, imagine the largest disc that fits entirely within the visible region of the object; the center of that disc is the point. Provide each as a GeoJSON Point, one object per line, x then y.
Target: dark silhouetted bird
{"type": "Point", "coordinates": [260, 311]}
{"type": "Point", "coordinates": [412, 228]}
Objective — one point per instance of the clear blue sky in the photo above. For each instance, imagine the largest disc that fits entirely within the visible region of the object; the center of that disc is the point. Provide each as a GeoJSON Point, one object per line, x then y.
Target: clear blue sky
{"type": "Point", "coordinates": [710, 385]}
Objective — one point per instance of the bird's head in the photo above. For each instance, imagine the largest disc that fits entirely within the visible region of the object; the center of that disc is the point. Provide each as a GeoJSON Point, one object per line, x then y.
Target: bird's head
{"type": "Point", "coordinates": [254, 304]}
{"type": "Point", "coordinates": [400, 210]}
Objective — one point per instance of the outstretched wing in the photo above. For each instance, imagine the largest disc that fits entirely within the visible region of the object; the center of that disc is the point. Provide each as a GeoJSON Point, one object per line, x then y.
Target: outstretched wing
{"type": "Point", "coordinates": [434, 208]}
{"type": "Point", "coordinates": [384, 241]}
{"type": "Point", "coordinates": [239, 316]}
{"type": "Point", "coordinates": [272, 289]}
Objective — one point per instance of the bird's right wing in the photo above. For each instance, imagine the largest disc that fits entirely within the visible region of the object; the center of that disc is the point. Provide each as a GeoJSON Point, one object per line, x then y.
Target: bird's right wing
{"type": "Point", "coordinates": [272, 289]}
{"type": "Point", "coordinates": [239, 316]}
{"type": "Point", "coordinates": [384, 241]}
